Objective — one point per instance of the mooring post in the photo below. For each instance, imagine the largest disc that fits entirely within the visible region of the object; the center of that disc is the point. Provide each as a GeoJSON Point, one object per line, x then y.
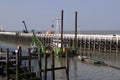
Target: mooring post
{"type": "Point", "coordinates": [29, 63]}
{"type": "Point", "coordinates": [99, 43]}
{"type": "Point", "coordinates": [105, 43]}
{"type": "Point", "coordinates": [110, 44]}
{"type": "Point", "coordinates": [89, 43]}
{"type": "Point", "coordinates": [75, 38]}
{"type": "Point", "coordinates": [53, 65]}
{"type": "Point", "coordinates": [117, 45]}
{"type": "Point", "coordinates": [17, 64]}
{"type": "Point", "coordinates": [7, 64]}
{"type": "Point", "coordinates": [67, 66]}
{"type": "Point", "coordinates": [45, 68]}
{"type": "Point", "coordinates": [85, 39]}
{"type": "Point", "coordinates": [40, 63]}
{"type": "Point", "coordinates": [94, 38]}
{"type": "Point", "coordinates": [20, 54]}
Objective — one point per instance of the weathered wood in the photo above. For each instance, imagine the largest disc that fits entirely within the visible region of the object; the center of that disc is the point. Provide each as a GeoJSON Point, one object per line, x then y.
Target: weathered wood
{"type": "Point", "coordinates": [67, 66]}
{"type": "Point", "coordinates": [7, 64]}
{"type": "Point", "coordinates": [40, 63]}
{"type": "Point", "coordinates": [1, 49]}
{"type": "Point", "coordinates": [45, 68]}
{"type": "Point", "coordinates": [24, 75]}
{"type": "Point", "coordinates": [56, 68]}
{"type": "Point", "coordinates": [29, 63]}
{"type": "Point", "coordinates": [75, 39]}
{"type": "Point", "coordinates": [21, 58]}
{"type": "Point", "coordinates": [17, 65]}
{"type": "Point", "coordinates": [20, 54]}
{"type": "Point", "coordinates": [53, 65]}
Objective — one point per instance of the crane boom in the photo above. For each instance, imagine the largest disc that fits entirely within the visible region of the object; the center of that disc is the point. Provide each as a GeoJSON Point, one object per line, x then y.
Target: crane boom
{"type": "Point", "coordinates": [38, 43]}
{"type": "Point", "coordinates": [26, 31]}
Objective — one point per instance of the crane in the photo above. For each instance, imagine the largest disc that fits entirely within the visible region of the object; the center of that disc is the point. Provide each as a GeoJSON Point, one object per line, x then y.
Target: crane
{"type": "Point", "coordinates": [25, 31]}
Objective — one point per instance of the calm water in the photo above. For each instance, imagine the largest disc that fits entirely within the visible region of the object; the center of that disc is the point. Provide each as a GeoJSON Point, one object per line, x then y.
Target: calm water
{"type": "Point", "coordinates": [79, 70]}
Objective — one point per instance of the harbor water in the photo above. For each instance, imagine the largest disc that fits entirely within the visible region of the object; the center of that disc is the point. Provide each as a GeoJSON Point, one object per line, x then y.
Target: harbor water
{"type": "Point", "coordinates": [77, 69]}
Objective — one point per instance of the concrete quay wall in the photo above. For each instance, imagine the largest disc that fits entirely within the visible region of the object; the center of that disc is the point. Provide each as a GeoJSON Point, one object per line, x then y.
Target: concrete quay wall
{"type": "Point", "coordinates": [91, 42]}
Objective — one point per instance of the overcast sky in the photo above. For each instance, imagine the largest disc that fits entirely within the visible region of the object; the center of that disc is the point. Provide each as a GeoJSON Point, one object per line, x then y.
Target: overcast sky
{"type": "Point", "coordinates": [41, 14]}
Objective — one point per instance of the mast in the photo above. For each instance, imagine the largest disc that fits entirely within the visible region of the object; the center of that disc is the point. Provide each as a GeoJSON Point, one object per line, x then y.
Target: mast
{"type": "Point", "coordinates": [58, 25]}
{"type": "Point", "coordinates": [62, 12]}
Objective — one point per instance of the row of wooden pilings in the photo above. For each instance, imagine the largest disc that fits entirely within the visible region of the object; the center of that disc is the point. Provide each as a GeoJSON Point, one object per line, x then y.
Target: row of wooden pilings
{"type": "Point", "coordinates": [29, 75]}
{"type": "Point", "coordinates": [92, 42]}
{"type": "Point", "coordinates": [101, 43]}
{"type": "Point", "coordinates": [109, 43]}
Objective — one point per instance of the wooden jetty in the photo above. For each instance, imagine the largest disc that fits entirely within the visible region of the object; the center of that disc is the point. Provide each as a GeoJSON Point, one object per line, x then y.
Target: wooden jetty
{"type": "Point", "coordinates": [17, 71]}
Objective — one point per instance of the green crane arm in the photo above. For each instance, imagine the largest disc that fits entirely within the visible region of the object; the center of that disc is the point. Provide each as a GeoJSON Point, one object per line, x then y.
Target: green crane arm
{"type": "Point", "coordinates": [35, 40]}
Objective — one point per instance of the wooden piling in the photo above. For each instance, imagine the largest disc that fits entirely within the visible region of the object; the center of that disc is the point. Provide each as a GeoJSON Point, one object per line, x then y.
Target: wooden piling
{"type": "Point", "coordinates": [117, 45]}
{"type": "Point", "coordinates": [105, 45]}
{"type": "Point", "coordinates": [1, 50]}
{"type": "Point", "coordinates": [110, 44]}
{"type": "Point", "coordinates": [40, 63]}
{"type": "Point", "coordinates": [20, 54]}
{"type": "Point", "coordinates": [29, 62]}
{"type": "Point", "coordinates": [75, 38]}
{"type": "Point", "coordinates": [53, 65]}
{"type": "Point", "coordinates": [45, 68]}
{"type": "Point", "coordinates": [17, 65]}
{"type": "Point", "coordinates": [7, 64]}
{"type": "Point", "coordinates": [67, 66]}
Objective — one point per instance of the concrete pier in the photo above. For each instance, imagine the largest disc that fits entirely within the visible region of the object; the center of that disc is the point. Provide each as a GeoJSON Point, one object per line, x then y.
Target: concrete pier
{"type": "Point", "coordinates": [90, 42]}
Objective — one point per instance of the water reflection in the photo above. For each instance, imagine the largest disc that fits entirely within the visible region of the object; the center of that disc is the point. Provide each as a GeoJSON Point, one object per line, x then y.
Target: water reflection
{"type": "Point", "coordinates": [79, 70]}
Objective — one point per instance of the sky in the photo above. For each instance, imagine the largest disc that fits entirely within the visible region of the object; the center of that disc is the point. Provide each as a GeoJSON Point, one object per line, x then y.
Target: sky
{"type": "Point", "coordinates": [41, 14]}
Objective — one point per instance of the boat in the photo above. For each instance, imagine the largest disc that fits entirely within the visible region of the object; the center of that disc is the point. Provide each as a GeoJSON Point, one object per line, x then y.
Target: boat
{"type": "Point", "coordinates": [55, 46]}
{"type": "Point", "coordinates": [89, 60]}
{"type": "Point", "coordinates": [66, 47]}
{"type": "Point", "coordinates": [36, 45]}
